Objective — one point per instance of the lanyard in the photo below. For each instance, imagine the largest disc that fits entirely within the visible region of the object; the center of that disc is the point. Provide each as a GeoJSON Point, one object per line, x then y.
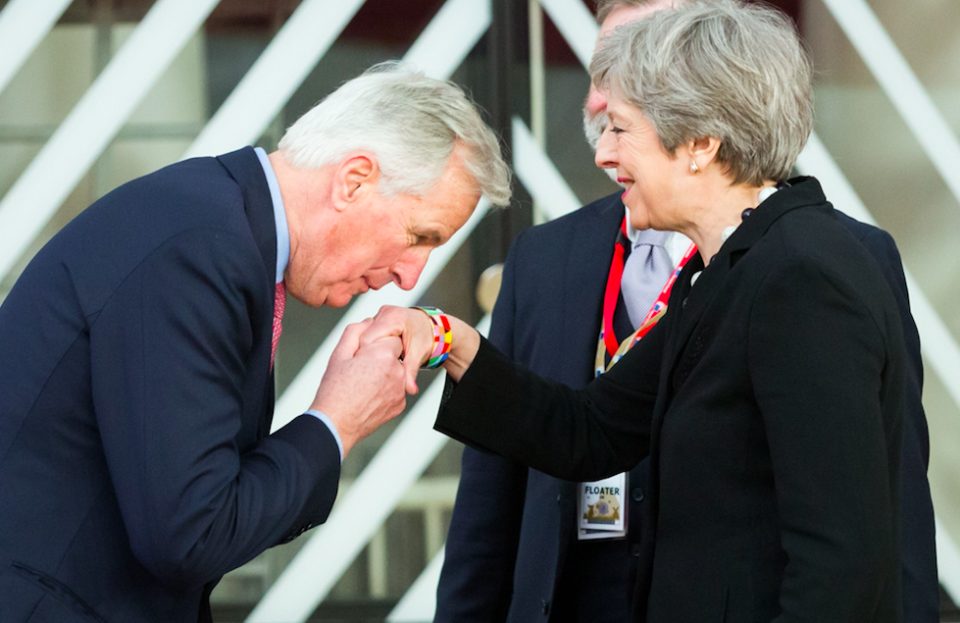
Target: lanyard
{"type": "Point", "coordinates": [607, 343]}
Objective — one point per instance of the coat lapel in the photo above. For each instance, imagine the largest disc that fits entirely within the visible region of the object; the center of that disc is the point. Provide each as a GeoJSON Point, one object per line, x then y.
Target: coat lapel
{"type": "Point", "coordinates": [691, 302]}
{"type": "Point", "coordinates": [245, 168]}
{"type": "Point", "coordinates": [588, 258]}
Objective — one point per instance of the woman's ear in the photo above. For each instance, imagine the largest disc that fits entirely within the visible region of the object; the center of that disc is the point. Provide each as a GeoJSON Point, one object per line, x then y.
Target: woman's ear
{"type": "Point", "coordinates": [702, 152]}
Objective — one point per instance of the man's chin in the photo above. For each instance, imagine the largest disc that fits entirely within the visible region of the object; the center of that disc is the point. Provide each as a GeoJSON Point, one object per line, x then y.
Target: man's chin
{"type": "Point", "coordinates": [336, 300]}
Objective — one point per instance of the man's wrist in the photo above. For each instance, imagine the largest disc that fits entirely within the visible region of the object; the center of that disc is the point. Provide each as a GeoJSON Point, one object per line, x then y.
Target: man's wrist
{"type": "Point", "coordinates": [333, 428]}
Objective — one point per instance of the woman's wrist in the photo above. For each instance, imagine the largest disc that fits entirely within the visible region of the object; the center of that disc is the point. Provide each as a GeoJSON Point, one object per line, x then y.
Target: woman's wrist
{"type": "Point", "coordinates": [463, 348]}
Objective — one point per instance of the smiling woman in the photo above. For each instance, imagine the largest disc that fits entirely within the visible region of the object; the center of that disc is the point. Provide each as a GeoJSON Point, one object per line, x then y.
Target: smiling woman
{"type": "Point", "coordinates": [769, 395]}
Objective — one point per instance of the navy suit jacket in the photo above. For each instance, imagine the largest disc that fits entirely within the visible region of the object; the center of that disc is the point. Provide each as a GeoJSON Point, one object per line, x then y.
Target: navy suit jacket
{"type": "Point", "coordinates": [136, 465]}
{"type": "Point", "coordinates": [513, 527]}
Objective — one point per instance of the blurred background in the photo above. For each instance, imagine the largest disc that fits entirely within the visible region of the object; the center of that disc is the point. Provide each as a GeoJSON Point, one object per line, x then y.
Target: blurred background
{"type": "Point", "coordinates": [94, 93]}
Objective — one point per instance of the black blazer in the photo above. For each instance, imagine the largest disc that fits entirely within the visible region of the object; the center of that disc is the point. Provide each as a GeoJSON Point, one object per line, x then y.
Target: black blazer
{"type": "Point", "coordinates": [136, 400]}
{"type": "Point", "coordinates": [770, 401]}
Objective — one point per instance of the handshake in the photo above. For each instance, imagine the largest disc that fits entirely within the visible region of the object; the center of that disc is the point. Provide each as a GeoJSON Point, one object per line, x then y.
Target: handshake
{"type": "Point", "coordinates": [375, 365]}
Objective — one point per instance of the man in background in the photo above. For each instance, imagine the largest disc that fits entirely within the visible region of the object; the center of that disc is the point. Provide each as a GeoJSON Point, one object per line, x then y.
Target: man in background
{"type": "Point", "coordinates": [137, 350]}
{"type": "Point", "coordinates": [517, 549]}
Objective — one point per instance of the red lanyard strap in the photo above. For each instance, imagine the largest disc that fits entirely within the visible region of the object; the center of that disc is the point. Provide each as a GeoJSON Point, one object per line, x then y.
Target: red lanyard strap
{"type": "Point", "coordinates": [612, 292]}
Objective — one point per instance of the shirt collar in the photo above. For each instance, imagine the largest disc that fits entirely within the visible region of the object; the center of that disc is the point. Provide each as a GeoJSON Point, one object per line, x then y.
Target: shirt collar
{"type": "Point", "coordinates": [279, 214]}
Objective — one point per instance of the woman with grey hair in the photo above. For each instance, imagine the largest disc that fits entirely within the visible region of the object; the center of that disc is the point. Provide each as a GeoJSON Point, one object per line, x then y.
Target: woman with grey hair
{"type": "Point", "coordinates": [769, 396]}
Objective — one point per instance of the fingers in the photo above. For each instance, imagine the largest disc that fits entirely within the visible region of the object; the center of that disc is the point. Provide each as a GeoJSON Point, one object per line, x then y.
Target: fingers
{"type": "Point", "coordinates": [350, 340]}
{"type": "Point", "coordinates": [388, 322]}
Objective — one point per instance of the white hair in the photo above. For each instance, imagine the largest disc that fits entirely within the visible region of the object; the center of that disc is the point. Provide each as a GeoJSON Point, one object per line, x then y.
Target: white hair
{"type": "Point", "coordinates": [726, 69]}
{"type": "Point", "coordinates": [410, 122]}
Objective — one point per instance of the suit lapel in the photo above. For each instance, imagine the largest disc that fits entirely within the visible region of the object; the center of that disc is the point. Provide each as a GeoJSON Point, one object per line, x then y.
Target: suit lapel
{"type": "Point", "coordinates": [244, 167]}
{"type": "Point", "coordinates": [588, 258]}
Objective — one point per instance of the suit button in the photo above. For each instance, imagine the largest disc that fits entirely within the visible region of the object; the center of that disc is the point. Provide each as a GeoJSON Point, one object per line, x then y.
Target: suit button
{"type": "Point", "coordinates": [637, 495]}
{"type": "Point", "coordinates": [635, 550]}
{"type": "Point", "coordinates": [558, 498]}
{"type": "Point", "coordinates": [684, 303]}
{"type": "Point", "coordinates": [544, 606]}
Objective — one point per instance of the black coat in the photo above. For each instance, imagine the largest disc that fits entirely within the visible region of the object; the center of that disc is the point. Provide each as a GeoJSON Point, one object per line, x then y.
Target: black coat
{"type": "Point", "coordinates": [769, 399]}
{"type": "Point", "coordinates": [135, 405]}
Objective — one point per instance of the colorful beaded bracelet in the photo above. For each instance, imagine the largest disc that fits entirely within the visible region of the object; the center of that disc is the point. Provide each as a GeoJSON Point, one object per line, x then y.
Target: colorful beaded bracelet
{"type": "Point", "coordinates": [442, 336]}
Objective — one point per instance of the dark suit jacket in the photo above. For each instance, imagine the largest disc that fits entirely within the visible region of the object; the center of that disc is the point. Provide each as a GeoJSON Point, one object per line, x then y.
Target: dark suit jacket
{"type": "Point", "coordinates": [136, 400]}
{"type": "Point", "coordinates": [512, 527]}
{"type": "Point", "coordinates": [770, 401]}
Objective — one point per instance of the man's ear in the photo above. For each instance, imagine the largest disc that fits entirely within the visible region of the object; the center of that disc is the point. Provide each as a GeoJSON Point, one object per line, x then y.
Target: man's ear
{"type": "Point", "coordinates": [703, 151]}
{"type": "Point", "coordinates": [356, 176]}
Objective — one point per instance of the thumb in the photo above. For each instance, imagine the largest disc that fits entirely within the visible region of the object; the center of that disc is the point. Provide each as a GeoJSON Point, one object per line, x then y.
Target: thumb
{"type": "Point", "coordinates": [350, 340]}
{"type": "Point", "coordinates": [411, 367]}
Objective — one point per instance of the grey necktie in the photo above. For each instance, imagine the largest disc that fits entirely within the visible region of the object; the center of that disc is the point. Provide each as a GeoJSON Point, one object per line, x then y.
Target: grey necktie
{"type": "Point", "coordinates": [645, 273]}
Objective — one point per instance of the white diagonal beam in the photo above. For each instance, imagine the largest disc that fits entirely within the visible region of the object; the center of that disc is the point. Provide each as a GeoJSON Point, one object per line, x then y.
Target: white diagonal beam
{"type": "Point", "coordinates": [23, 25]}
{"type": "Point", "coordinates": [420, 602]}
{"type": "Point", "coordinates": [443, 45]}
{"type": "Point", "coordinates": [901, 85]}
{"type": "Point", "coordinates": [94, 121]}
{"type": "Point", "coordinates": [576, 24]}
{"type": "Point", "coordinates": [539, 175]}
{"type": "Point", "coordinates": [948, 562]}
{"type": "Point", "coordinates": [275, 76]}
{"type": "Point", "coordinates": [355, 519]}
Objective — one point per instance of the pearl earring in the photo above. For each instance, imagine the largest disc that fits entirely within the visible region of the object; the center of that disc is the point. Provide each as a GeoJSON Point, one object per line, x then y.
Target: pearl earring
{"type": "Point", "coordinates": [693, 167]}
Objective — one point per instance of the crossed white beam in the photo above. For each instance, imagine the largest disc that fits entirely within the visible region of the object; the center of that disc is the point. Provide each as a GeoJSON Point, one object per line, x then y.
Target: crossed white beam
{"type": "Point", "coordinates": [23, 25]}
{"type": "Point", "coordinates": [94, 122]}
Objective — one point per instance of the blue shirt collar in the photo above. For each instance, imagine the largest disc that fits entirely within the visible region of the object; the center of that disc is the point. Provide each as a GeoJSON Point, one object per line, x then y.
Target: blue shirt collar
{"type": "Point", "coordinates": [279, 214]}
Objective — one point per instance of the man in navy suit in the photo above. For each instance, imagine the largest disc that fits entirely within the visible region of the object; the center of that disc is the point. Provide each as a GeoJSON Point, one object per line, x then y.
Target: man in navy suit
{"type": "Point", "coordinates": [136, 351]}
{"type": "Point", "coordinates": [514, 552]}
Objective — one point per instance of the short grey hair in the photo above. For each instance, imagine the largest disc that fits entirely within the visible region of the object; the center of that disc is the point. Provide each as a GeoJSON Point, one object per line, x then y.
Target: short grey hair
{"type": "Point", "coordinates": [734, 71]}
{"type": "Point", "coordinates": [411, 122]}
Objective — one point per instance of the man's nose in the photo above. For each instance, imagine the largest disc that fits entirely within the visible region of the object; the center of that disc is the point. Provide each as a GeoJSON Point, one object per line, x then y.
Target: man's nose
{"type": "Point", "coordinates": [407, 270]}
{"type": "Point", "coordinates": [596, 102]}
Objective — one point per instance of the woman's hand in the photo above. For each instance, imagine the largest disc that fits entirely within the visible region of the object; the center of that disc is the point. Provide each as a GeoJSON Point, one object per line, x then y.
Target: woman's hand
{"type": "Point", "coordinates": [415, 329]}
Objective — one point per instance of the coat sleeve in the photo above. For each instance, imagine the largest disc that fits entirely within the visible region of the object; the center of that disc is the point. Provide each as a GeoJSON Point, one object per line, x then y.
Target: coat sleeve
{"type": "Point", "coordinates": [819, 363]}
{"type": "Point", "coordinates": [579, 435]}
{"type": "Point", "coordinates": [170, 352]}
{"type": "Point", "coordinates": [476, 584]}
{"type": "Point", "coordinates": [921, 588]}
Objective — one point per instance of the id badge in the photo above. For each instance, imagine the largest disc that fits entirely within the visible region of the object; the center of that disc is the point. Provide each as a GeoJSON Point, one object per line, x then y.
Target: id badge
{"type": "Point", "coordinates": [603, 508]}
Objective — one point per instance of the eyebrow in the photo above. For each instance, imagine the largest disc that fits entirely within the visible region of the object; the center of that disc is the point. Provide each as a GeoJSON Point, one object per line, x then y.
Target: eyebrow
{"type": "Point", "coordinates": [432, 235]}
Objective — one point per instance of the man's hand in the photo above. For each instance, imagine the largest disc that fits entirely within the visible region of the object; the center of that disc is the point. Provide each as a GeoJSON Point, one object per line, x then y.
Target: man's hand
{"type": "Point", "coordinates": [363, 387]}
{"type": "Point", "coordinates": [414, 328]}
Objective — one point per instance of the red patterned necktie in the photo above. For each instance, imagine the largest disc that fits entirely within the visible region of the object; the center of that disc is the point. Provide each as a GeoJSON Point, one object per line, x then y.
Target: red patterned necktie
{"type": "Point", "coordinates": [279, 304]}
